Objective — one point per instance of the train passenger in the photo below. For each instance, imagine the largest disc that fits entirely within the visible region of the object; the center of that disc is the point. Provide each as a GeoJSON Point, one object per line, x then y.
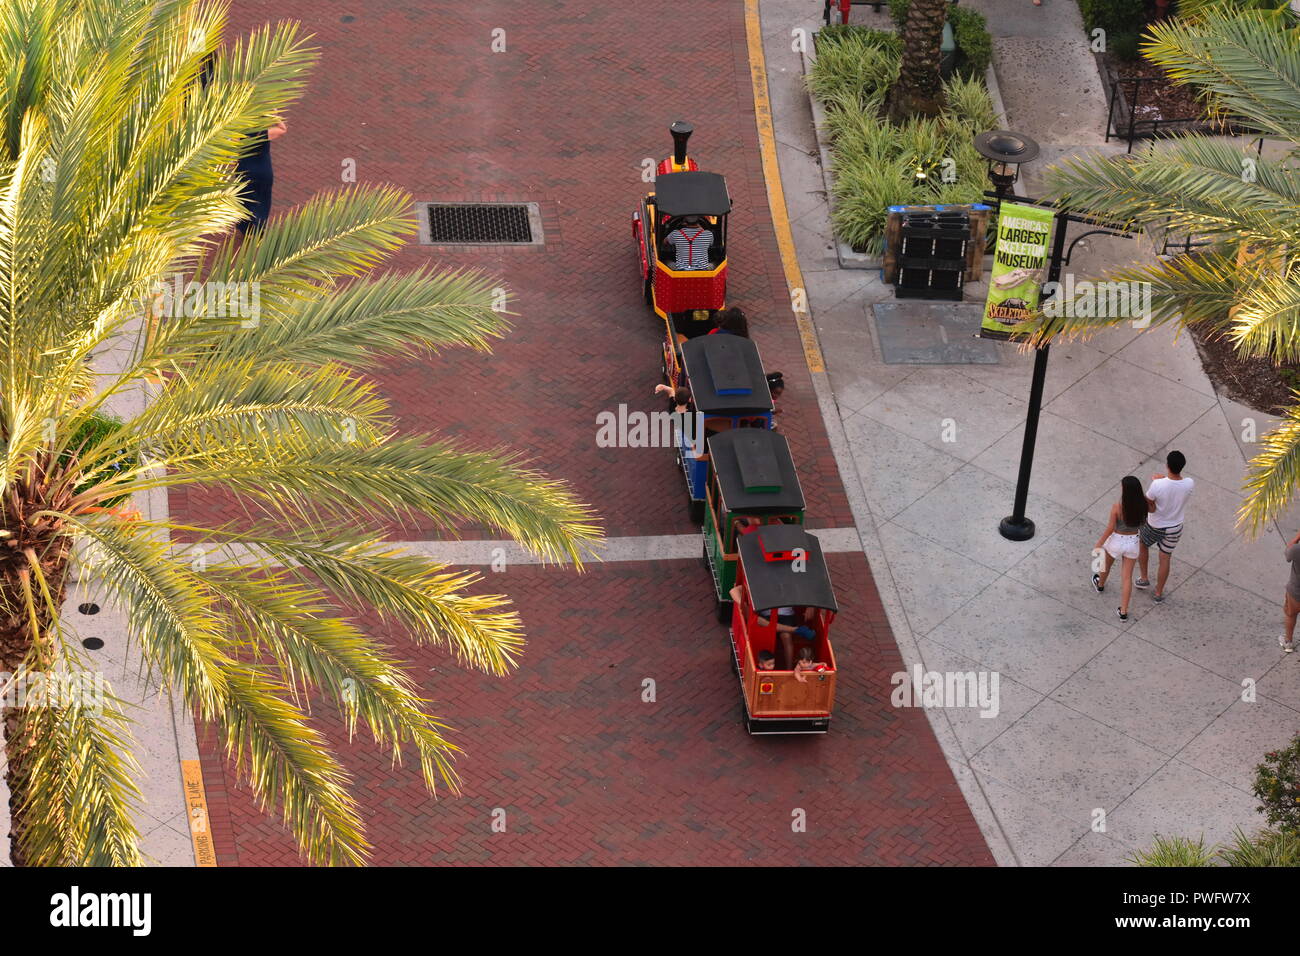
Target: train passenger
{"type": "Point", "coordinates": [681, 396]}
{"type": "Point", "coordinates": [787, 619]}
{"type": "Point", "coordinates": [766, 661]}
{"type": "Point", "coordinates": [807, 662]}
{"type": "Point", "coordinates": [731, 321]}
{"type": "Point", "coordinates": [692, 241]}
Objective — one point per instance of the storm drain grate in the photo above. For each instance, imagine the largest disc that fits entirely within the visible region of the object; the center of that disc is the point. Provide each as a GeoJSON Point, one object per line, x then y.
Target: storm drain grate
{"type": "Point", "coordinates": [516, 224]}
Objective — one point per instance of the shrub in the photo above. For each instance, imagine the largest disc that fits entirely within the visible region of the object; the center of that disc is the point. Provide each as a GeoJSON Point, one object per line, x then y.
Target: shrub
{"type": "Point", "coordinates": [1123, 46]}
{"type": "Point", "coordinates": [1175, 851]}
{"type": "Point", "coordinates": [1113, 16]}
{"type": "Point", "coordinates": [852, 68]}
{"type": "Point", "coordinates": [835, 32]}
{"type": "Point", "coordinates": [1266, 848]}
{"type": "Point", "coordinates": [969, 104]}
{"type": "Point", "coordinates": [898, 11]}
{"type": "Point", "coordinates": [974, 43]}
{"type": "Point", "coordinates": [93, 430]}
{"type": "Point", "coordinates": [875, 167]}
{"type": "Point", "coordinates": [1277, 785]}
{"type": "Point", "coordinates": [875, 163]}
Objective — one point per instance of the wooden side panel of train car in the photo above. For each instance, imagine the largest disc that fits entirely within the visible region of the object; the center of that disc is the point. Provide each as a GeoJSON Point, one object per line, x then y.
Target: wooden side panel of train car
{"type": "Point", "coordinates": [780, 694]}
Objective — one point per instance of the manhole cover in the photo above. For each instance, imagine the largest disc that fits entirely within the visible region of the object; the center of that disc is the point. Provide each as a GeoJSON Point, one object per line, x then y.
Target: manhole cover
{"type": "Point", "coordinates": [932, 333]}
{"type": "Point", "coordinates": [481, 224]}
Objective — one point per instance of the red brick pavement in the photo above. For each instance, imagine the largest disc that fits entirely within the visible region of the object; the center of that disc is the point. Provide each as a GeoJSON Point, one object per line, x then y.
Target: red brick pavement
{"type": "Point", "coordinates": [587, 772]}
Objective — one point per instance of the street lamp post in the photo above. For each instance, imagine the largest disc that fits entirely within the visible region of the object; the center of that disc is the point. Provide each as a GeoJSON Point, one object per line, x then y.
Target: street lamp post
{"type": "Point", "coordinates": [1005, 152]}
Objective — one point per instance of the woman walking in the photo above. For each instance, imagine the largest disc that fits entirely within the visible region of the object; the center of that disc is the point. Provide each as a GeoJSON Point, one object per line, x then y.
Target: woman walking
{"type": "Point", "coordinates": [1120, 540]}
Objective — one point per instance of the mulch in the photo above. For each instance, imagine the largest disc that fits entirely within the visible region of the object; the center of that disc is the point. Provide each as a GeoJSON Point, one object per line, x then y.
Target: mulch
{"type": "Point", "coordinates": [1258, 382]}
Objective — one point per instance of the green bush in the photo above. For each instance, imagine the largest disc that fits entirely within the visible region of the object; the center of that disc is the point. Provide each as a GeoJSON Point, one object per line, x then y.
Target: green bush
{"type": "Point", "coordinates": [93, 430]}
{"type": "Point", "coordinates": [836, 32]}
{"type": "Point", "coordinates": [875, 164]}
{"type": "Point", "coordinates": [1113, 16]}
{"type": "Point", "coordinates": [974, 43]}
{"type": "Point", "coordinates": [898, 11]}
{"type": "Point", "coordinates": [1123, 46]}
{"type": "Point", "coordinates": [968, 103]}
{"type": "Point", "coordinates": [1175, 851]}
{"type": "Point", "coordinates": [1267, 848]}
{"type": "Point", "coordinates": [1272, 848]}
{"type": "Point", "coordinates": [851, 68]}
{"type": "Point", "coordinates": [1277, 785]}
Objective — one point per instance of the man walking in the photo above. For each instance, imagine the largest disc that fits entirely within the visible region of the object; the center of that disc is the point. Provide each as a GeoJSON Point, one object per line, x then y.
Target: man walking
{"type": "Point", "coordinates": [1166, 500]}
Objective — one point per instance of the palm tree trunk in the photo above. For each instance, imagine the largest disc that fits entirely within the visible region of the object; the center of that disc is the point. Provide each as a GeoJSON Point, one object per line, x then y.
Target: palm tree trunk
{"type": "Point", "coordinates": [18, 651]}
{"type": "Point", "coordinates": [919, 88]}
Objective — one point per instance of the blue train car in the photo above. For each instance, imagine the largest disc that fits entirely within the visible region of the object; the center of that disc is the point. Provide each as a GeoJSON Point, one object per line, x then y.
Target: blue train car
{"type": "Point", "coordinates": [728, 390]}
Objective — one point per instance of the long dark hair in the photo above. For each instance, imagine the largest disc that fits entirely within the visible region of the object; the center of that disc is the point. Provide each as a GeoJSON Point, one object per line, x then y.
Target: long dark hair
{"type": "Point", "coordinates": [1132, 501]}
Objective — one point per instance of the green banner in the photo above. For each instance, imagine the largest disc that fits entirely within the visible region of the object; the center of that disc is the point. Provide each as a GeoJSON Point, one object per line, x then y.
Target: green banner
{"type": "Point", "coordinates": [1019, 269]}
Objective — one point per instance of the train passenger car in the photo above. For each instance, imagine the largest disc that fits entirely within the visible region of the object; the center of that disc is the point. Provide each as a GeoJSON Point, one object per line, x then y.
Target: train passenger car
{"type": "Point", "coordinates": [752, 483]}
{"type": "Point", "coordinates": [780, 632]}
{"type": "Point", "coordinates": [729, 391]}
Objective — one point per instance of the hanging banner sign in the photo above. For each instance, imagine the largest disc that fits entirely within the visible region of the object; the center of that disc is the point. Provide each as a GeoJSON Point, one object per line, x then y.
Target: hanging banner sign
{"type": "Point", "coordinates": [1019, 268]}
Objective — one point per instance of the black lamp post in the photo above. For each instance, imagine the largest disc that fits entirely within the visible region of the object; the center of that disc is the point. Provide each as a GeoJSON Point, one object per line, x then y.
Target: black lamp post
{"type": "Point", "coordinates": [1005, 151]}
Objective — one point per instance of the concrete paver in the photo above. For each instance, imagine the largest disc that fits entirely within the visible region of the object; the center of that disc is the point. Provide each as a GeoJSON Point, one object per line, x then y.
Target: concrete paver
{"type": "Point", "coordinates": [1115, 404]}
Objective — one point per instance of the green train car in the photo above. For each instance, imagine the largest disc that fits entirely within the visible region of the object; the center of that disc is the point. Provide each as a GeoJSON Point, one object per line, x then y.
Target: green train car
{"type": "Point", "coordinates": [752, 482]}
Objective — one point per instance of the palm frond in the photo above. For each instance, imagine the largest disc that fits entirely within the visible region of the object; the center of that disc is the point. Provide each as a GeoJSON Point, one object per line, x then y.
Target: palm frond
{"type": "Point", "coordinates": [78, 794]}
{"type": "Point", "coordinates": [1240, 59]}
{"type": "Point", "coordinates": [1274, 474]}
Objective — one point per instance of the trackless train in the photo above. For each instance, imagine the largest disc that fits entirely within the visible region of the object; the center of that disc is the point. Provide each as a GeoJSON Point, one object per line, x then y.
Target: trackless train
{"type": "Point", "coordinates": [769, 573]}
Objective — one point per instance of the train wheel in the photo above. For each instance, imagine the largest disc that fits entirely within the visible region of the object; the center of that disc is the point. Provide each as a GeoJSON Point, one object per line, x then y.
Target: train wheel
{"type": "Point", "coordinates": [696, 511]}
{"type": "Point", "coordinates": [649, 291]}
{"type": "Point", "coordinates": [735, 668]}
{"type": "Point", "coordinates": [724, 612]}
{"type": "Point", "coordinates": [704, 558]}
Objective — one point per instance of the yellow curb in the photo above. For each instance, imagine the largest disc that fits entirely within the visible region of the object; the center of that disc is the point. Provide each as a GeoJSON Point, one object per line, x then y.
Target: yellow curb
{"type": "Point", "coordinates": [196, 802]}
{"type": "Point", "coordinates": [776, 194]}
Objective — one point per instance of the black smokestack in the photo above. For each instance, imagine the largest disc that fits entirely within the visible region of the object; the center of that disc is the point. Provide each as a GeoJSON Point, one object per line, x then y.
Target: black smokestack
{"type": "Point", "coordinates": [681, 131]}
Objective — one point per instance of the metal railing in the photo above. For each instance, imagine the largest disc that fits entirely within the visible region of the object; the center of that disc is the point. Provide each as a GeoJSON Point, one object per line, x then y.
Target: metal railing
{"type": "Point", "coordinates": [1123, 123]}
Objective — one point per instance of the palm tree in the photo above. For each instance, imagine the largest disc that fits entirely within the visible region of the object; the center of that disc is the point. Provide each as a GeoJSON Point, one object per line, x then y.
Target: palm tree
{"type": "Point", "coordinates": [918, 91]}
{"type": "Point", "coordinates": [1245, 284]}
{"type": "Point", "coordinates": [115, 175]}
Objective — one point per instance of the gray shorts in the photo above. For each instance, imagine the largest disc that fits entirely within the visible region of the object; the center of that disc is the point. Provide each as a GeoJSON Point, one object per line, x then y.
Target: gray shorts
{"type": "Point", "coordinates": [1166, 539]}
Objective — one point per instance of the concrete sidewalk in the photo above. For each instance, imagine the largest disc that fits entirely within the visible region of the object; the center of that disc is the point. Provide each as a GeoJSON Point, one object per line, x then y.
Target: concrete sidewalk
{"type": "Point", "coordinates": [1142, 721]}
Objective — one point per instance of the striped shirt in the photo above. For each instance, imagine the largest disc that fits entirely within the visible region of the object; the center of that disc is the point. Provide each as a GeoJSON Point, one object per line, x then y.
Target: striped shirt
{"type": "Point", "coordinates": [692, 247]}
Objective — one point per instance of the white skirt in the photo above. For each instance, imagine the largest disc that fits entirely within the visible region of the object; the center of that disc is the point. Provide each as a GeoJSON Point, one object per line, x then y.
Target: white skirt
{"type": "Point", "coordinates": [1122, 546]}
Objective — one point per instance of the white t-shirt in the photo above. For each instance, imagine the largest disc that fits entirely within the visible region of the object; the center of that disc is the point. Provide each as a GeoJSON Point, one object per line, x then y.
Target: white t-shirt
{"type": "Point", "coordinates": [1171, 499]}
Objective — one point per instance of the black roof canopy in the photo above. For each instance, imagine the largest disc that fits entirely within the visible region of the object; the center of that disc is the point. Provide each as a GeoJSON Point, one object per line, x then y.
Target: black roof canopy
{"type": "Point", "coordinates": [694, 193]}
{"type": "Point", "coordinates": [725, 375]}
{"type": "Point", "coordinates": [755, 471]}
{"type": "Point", "coordinates": [777, 583]}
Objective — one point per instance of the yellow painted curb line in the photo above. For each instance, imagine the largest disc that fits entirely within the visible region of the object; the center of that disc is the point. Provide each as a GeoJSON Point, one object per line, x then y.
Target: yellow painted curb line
{"type": "Point", "coordinates": [196, 802]}
{"type": "Point", "coordinates": [776, 193]}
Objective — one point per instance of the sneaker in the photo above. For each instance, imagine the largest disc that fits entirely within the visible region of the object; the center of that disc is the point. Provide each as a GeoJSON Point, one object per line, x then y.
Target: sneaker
{"type": "Point", "coordinates": [1287, 646]}
{"type": "Point", "coordinates": [1142, 583]}
{"type": "Point", "coordinates": [1121, 615]}
{"type": "Point", "coordinates": [1096, 582]}
{"type": "Point", "coordinates": [1158, 598]}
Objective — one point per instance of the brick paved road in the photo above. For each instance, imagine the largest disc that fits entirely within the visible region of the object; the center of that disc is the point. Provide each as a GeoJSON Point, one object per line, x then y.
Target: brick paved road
{"type": "Point", "coordinates": [584, 769]}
